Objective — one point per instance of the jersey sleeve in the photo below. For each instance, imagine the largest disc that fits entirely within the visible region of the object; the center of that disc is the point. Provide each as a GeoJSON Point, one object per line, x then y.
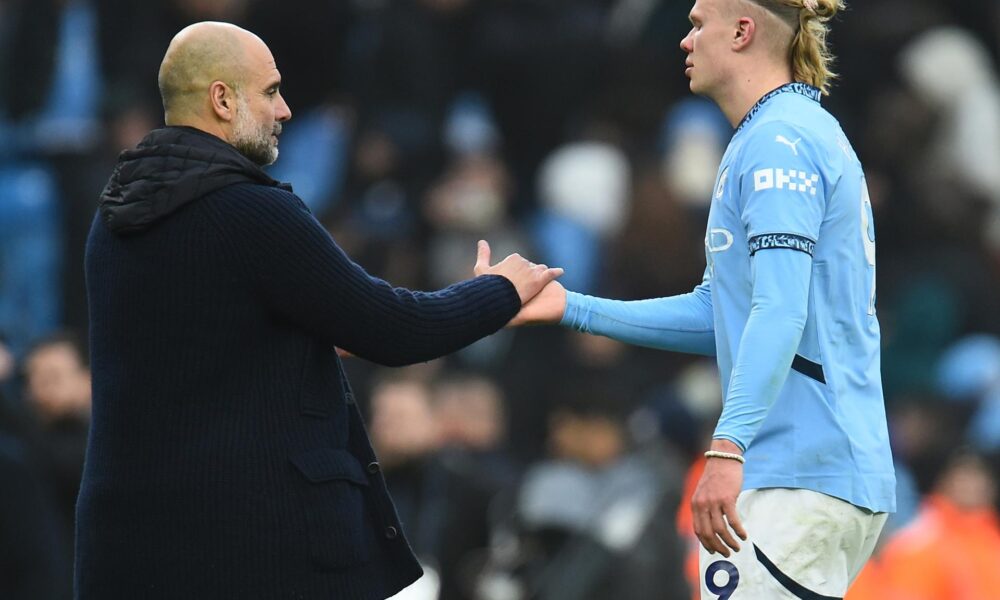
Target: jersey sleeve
{"type": "Point", "coordinates": [778, 313]}
{"type": "Point", "coordinates": [782, 188]}
{"type": "Point", "coordinates": [682, 323]}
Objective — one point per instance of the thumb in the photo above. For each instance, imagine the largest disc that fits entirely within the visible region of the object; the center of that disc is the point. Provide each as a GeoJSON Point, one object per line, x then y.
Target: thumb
{"type": "Point", "coordinates": [482, 257]}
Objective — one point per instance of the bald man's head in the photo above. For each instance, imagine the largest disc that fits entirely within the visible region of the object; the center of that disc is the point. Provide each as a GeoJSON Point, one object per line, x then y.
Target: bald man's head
{"type": "Point", "coordinates": [223, 80]}
{"type": "Point", "coordinates": [199, 55]}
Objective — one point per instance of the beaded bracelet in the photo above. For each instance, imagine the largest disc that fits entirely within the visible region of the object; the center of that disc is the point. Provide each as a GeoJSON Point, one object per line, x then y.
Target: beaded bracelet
{"type": "Point", "coordinates": [728, 455]}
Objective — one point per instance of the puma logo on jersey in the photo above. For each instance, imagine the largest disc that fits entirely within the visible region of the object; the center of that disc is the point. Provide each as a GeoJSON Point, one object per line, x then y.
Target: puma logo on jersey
{"type": "Point", "coordinates": [792, 179]}
{"type": "Point", "coordinates": [783, 140]}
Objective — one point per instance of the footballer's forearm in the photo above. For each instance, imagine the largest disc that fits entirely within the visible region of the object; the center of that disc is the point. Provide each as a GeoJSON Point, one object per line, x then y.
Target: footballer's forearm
{"type": "Point", "coordinates": [682, 323]}
{"type": "Point", "coordinates": [771, 337]}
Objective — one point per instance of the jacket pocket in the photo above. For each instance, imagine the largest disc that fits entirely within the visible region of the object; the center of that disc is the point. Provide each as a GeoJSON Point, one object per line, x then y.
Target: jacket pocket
{"type": "Point", "coordinates": [317, 383]}
{"type": "Point", "coordinates": [334, 507]}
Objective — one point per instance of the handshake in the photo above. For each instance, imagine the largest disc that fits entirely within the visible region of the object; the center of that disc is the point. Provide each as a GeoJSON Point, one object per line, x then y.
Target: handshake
{"type": "Point", "coordinates": [543, 299]}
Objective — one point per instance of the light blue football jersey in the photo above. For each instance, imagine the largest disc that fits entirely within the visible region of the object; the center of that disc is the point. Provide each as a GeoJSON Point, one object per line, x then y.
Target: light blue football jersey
{"type": "Point", "coordinates": [791, 181]}
{"type": "Point", "coordinates": [787, 306]}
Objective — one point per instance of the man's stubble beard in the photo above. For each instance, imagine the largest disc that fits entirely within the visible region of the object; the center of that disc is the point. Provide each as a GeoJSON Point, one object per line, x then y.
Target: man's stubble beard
{"type": "Point", "coordinates": [253, 140]}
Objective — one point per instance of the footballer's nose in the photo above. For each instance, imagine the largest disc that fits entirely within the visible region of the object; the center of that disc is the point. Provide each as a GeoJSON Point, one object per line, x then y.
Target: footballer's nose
{"type": "Point", "coordinates": [687, 44]}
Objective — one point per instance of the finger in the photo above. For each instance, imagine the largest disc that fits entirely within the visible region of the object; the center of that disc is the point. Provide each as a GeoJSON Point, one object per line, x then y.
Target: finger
{"type": "Point", "coordinates": [733, 517]}
{"type": "Point", "coordinates": [703, 530]}
{"type": "Point", "coordinates": [711, 543]}
{"type": "Point", "coordinates": [548, 275]}
{"type": "Point", "coordinates": [712, 533]}
{"type": "Point", "coordinates": [514, 261]}
{"type": "Point", "coordinates": [482, 257]}
{"type": "Point", "coordinates": [721, 529]}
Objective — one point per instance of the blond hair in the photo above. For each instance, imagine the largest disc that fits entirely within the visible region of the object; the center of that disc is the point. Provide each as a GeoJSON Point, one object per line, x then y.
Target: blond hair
{"type": "Point", "coordinates": [811, 58]}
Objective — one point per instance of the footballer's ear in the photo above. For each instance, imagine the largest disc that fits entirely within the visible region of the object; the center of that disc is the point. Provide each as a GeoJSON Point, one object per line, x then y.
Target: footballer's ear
{"type": "Point", "coordinates": [744, 33]}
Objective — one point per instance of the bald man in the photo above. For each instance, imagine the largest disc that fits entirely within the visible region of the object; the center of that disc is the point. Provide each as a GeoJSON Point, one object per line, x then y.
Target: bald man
{"type": "Point", "coordinates": [227, 457]}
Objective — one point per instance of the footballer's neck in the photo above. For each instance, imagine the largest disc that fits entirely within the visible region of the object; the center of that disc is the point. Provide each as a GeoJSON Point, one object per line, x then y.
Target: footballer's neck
{"type": "Point", "coordinates": [747, 89]}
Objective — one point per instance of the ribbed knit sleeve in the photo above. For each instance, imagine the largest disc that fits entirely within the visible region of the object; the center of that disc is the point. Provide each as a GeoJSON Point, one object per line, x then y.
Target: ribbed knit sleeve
{"type": "Point", "coordinates": [304, 277]}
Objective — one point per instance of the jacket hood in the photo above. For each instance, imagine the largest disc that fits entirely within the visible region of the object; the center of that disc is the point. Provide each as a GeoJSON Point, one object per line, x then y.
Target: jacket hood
{"type": "Point", "coordinates": [168, 169]}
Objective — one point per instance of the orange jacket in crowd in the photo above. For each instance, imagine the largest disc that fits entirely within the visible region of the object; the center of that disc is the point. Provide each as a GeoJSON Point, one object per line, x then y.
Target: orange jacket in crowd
{"type": "Point", "coordinates": [946, 553]}
{"type": "Point", "coordinates": [685, 525]}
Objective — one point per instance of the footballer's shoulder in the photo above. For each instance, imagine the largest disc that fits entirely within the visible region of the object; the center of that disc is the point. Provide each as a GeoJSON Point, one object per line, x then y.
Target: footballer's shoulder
{"type": "Point", "coordinates": [795, 135]}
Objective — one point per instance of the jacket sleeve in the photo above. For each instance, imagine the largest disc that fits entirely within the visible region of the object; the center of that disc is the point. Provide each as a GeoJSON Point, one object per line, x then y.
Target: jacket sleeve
{"type": "Point", "coordinates": [303, 277]}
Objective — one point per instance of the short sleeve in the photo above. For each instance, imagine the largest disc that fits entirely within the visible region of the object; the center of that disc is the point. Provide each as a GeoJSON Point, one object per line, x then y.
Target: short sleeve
{"type": "Point", "coordinates": [782, 188]}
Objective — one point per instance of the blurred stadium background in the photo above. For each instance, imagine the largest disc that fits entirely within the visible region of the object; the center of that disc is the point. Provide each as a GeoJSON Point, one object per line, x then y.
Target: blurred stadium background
{"type": "Point", "coordinates": [537, 463]}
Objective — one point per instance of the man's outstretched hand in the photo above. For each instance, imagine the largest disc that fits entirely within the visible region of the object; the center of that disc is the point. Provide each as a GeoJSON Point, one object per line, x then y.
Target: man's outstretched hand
{"type": "Point", "coordinates": [527, 277]}
{"type": "Point", "coordinates": [546, 308]}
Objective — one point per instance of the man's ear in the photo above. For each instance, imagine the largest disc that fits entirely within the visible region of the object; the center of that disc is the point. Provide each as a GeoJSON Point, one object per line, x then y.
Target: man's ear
{"type": "Point", "coordinates": [223, 100]}
{"type": "Point", "coordinates": [746, 29]}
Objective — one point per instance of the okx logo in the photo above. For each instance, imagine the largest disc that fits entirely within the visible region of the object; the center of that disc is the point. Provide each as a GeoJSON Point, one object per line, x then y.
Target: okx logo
{"type": "Point", "coordinates": [792, 179]}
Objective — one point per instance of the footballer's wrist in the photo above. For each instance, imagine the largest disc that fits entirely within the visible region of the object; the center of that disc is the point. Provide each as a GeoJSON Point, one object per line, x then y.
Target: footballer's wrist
{"type": "Point", "coordinates": [727, 446]}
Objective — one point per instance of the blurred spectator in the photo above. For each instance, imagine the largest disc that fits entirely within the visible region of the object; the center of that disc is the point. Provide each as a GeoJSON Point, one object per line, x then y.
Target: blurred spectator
{"type": "Point", "coordinates": [57, 385]}
{"type": "Point", "coordinates": [539, 64]}
{"type": "Point", "coordinates": [33, 558]}
{"type": "Point", "coordinates": [53, 84]}
{"type": "Point", "coordinates": [441, 500]}
{"type": "Point", "coordinates": [951, 550]}
{"type": "Point", "coordinates": [31, 249]}
{"type": "Point", "coordinates": [695, 134]}
{"type": "Point", "coordinates": [310, 38]}
{"type": "Point", "coordinates": [954, 73]}
{"type": "Point", "coordinates": [969, 373]}
{"type": "Point", "coordinates": [657, 226]}
{"type": "Point", "coordinates": [469, 411]}
{"type": "Point", "coordinates": [470, 201]}
{"type": "Point", "coordinates": [7, 368]}
{"type": "Point", "coordinates": [595, 520]}
{"type": "Point", "coordinates": [583, 189]}
{"type": "Point", "coordinates": [686, 412]}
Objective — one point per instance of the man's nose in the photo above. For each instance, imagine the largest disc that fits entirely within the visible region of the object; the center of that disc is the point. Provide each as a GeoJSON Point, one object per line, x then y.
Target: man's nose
{"type": "Point", "coordinates": [686, 42]}
{"type": "Point", "coordinates": [283, 113]}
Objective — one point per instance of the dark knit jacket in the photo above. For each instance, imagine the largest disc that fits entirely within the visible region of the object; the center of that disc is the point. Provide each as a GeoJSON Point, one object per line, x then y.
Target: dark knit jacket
{"type": "Point", "coordinates": [227, 457]}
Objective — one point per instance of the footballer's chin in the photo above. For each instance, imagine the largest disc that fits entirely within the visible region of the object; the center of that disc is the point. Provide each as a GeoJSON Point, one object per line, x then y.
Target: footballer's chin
{"type": "Point", "coordinates": [697, 86]}
{"type": "Point", "coordinates": [689, 73]}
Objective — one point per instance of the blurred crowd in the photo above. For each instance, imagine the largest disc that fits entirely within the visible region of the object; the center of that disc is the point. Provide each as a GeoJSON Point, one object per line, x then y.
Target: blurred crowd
{"type": "Point", "coordinates": [538, 463]}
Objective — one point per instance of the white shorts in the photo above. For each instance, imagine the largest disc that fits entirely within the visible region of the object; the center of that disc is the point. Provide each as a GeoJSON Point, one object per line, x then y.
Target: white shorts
{"type": "Point", "coordinates": [802, 545]}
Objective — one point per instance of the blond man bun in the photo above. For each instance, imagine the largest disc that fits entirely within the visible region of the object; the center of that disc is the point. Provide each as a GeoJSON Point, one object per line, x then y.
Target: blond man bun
{"type": "Point", "coordinates": [811, 58]}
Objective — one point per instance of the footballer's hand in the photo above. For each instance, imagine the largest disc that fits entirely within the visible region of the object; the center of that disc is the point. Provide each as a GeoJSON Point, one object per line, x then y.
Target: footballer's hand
{"type": "Point", "coordinates": [714, 502]}
{"type": "Point", "coordinates": [545, 308]}
{"type": "Point", "coordinates": [527, 277]}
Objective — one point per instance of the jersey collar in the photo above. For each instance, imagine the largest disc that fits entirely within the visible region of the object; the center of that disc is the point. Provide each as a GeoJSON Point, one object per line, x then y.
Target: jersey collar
{"type": "Point", "coordinates": [796, 87]}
